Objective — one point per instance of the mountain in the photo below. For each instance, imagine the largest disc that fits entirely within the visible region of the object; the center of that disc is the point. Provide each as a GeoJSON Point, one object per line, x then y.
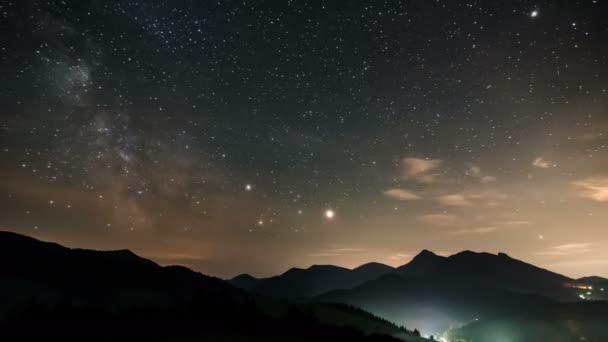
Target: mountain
{"type": "Point", "coordinates": [593, 288]}
{"type": "Point", "coordinates": [424, 264]}
{"type": "Point", "coordinates": [434, 292]}
{"type": "Point", "coordinates": [372, 270]}
{"type": "Point", "coordinates": [431, 306]}
{"type": "Point", "coordinates": [47, 290]}
{"type": "Point", "coordinates": [489, 270]}
{"type": "Point", "coordinates": [593, 280]}
{"type": "Point", "coordinates": [299, 283]}
{"type": "Point", "coordinates": [244, 281]}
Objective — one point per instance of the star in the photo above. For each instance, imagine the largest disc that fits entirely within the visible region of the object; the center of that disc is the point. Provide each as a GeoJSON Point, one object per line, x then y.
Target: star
{"type": "Point", "coordinates": [534, 14]}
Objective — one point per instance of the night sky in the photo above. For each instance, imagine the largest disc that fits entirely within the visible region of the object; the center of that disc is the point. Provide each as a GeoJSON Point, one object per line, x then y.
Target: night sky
{"type": "Point", "coordinates": [253, 136]}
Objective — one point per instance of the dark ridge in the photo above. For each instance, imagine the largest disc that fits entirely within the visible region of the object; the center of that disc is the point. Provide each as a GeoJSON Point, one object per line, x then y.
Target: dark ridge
{"type": "Point", "coordinates": [374, 265]}
{"type": "Point", "coordinates": [244, 281]}
{"type": "Point", "coordinates": [48, 290]}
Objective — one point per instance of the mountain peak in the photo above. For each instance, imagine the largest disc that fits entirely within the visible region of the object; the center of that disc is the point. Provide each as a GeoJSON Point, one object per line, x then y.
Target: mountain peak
{"type": "Point", "coordinates": [244, 276]}
{"type": "Point", "coordinates": [244, 281]}
{"type": "Point", "coordinates": [423, 263]}
{"type": "Point", "coordinates": [425, 253]}
{"type": "Point", "coordinates": [425, 257]}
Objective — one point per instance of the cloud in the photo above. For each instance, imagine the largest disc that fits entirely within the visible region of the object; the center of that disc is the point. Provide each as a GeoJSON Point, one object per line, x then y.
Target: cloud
{"type": "Point", "coordinates": [475, 172]}
{"type": "Point", "coordinates": [468, 199]}
{"type": "Point", "coordinates": [488, 179]}
{"type": "Point", "coordinates": [572, 246]}
{"type": "Point", "coordinates": [517, 223]}
{"type": "Point", "coordinates": [475, 231]}
{"type": "Point", "coordinates": [399, 256]}
{"type": "Point", "coordinates": [437, 219]}
{"type": "Point", "coordinates": [578, 263]}
{"type": "Point", "coordinates": [421, 170]}
{"type": "Point", "coordinates": [458, 200]}
{"type": "Point", "coordinates": [566, 249]}
{"type": "Point", "coordinates": [595, 188]}
{"type": "Point", "coordinates": [542, 163]}
{"type": "Point", "coordinates": [401, 194]}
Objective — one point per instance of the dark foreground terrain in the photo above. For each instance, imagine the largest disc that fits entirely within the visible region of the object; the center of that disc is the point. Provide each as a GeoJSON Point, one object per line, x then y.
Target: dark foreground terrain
{"type": "Point", "coordinates": [48, 290]}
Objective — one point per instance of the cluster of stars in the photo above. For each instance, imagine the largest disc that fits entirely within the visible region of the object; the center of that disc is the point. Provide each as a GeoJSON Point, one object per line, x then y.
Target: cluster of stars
{"type": "Point", "coordinates": [256, 122]}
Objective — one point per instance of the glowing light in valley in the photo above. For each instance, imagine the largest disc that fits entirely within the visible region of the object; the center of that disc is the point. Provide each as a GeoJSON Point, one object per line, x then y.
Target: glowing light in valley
{"type": "Point", "coordinates": [248, 187]}
{"type": "Point", "coordinates": [329, 214]}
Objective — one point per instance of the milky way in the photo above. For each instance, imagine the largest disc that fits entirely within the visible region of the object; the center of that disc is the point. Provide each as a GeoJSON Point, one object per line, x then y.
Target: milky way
{"type": "Point", "coordinates": [252, 136]}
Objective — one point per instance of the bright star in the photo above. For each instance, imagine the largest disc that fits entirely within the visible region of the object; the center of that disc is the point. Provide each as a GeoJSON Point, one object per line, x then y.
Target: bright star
{"type": "Point", "coordinates": [534, 14]}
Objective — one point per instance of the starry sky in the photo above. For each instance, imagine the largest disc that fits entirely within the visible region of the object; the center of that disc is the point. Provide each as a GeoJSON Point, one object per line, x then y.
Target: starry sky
{"type": "Point", "coordinates": [253, 136]}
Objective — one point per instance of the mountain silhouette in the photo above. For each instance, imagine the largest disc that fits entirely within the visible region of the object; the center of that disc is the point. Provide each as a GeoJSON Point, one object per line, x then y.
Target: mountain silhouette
{"type": "Point", "coordinates": [490, 270]}
{"type": "Point", "coordinates": [435, 292]}
{"type": "Point", "coordinates": [467, 267]}
{"type": "Point", "coordinates": [423, 264]}
{"type": "Point", "coordinates": [593, 280]}
{"type": "Point", "coordinates": [299, 283]}
{"type": "Point", "coordinates": [244, 281]}
{"type": "Point", "coordinates": [47, 290]}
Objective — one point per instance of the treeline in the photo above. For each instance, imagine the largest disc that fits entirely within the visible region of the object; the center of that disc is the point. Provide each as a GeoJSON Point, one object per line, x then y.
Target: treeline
{"type": "Point", "coordinates": [204, 316]}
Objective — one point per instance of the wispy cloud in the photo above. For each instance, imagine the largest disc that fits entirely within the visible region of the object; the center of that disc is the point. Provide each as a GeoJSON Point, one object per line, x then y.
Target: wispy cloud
{"type": "Point", "coordinates": [475, 172]}
{"type": "Point", "coordinates": [580, 263]}
{"type": "Point", "coordinates": [566, 249]}
{"type": "Point", "coordinates": [595, 188]}
{"type": "Point", "coordinates": [437, 219]}
{"type": "Point", "coordinates": [517, 223]}
{"type": "Point", "coordinates": [572, 246]}
{"type": "Point", "coordinates": [475, 231]}
{"type": "Point", "coordinates": [542, 163]}
{"type": "Point", "coordinates": [458, 200]}
{"type": "Point", "coordinates": [488, 179]}
{"type": "Point", "coordinates": [399, 256]}
{"type": "Point", "coordinates": [421, 170]}
{"type": "Point", "coordinates": [469, 199]}
{"type": "Point", "coordinates": [401, 194]}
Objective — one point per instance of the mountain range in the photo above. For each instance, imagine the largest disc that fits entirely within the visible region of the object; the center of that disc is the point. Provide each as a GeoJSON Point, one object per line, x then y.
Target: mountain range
{"type": "Point", "coordinates": [437, 293]}
{"type": "Point", "coordinates": [49, 290]}
{"type": "Point", "coordinates": [467, 268]}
